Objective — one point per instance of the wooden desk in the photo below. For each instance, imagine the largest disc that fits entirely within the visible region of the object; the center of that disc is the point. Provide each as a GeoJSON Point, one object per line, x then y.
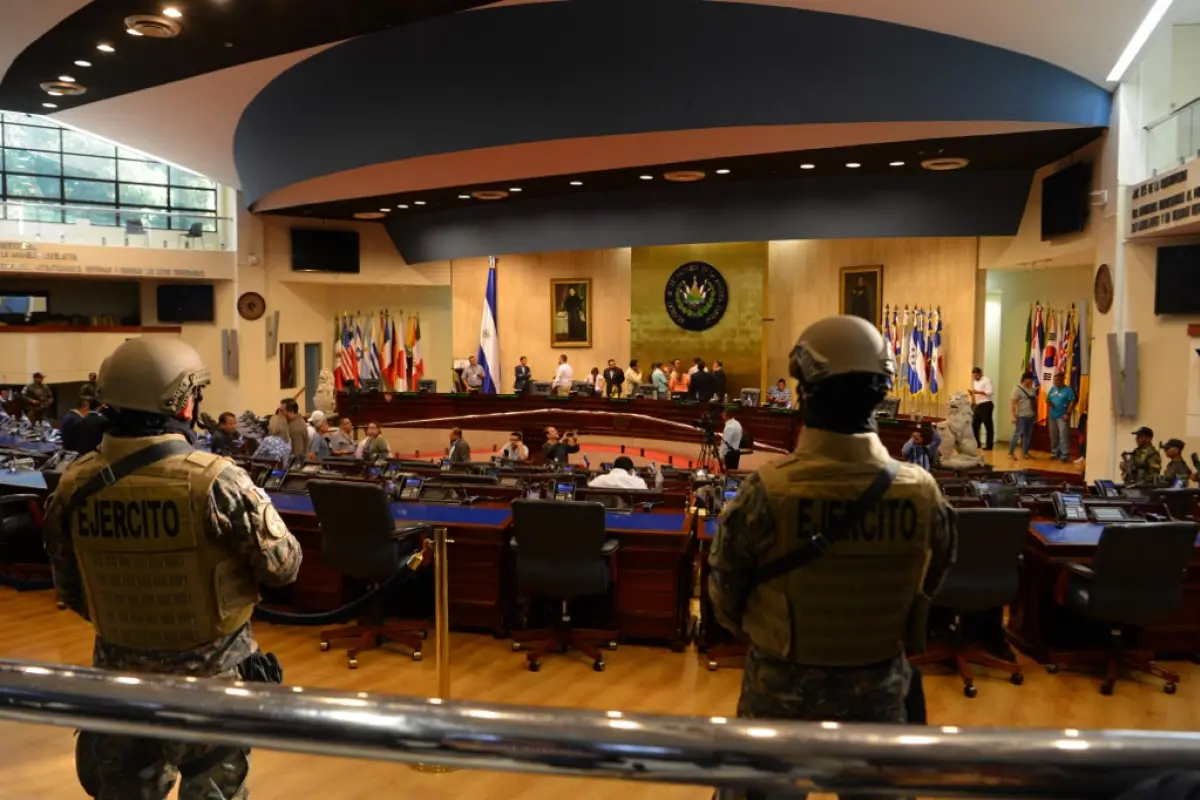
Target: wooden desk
{"type": "Point", "coordinates": [1037, 625]}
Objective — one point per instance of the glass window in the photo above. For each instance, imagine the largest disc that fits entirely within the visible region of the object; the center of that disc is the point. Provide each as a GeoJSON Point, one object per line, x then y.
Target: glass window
{"type": "Point", "coordinates": [32, 186]}
{"type": "Point", "coordinates": [31, 137]}
{"type": "Point", "coordinates": [90, 191]}
{"type": "Point", "coordinates": [141, 172]}
{"type": "Point", "coordinates": [104, 169]}
{"type": "Point", "coordinates": [207, 224]}
{"type": "Point", "coordinates": [34, 212]}
{"type": "Point", "coordinates": [194, 198]}
{"type": "Point", "coordinates": [133, 155]}
{"type": "Point", "coordinates": [181, 177]}
{"type": "Point", "coordinates": [32, 161]}
{"type": "Point", "coordinates": [131, 194]}
{"type": "Point", "coordinates": [97, 217]}
{"type": "Point", "coordinates": [76, 142]}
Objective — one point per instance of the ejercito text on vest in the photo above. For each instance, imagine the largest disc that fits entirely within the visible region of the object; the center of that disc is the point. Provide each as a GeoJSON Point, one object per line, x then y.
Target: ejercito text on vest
{"type": "Point", "coordinates": [885, 522]}
{"type": "Point", "coordinates": [128, 519]}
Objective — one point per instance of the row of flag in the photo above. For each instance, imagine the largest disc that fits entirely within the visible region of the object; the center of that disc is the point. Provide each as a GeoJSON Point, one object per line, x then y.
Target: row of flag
{"type": "Point", "coordinates": [371, 348]}
{"type": "Point", "coordinates": [1057, 341]}
{"type": "Point", "coordinates": [915, 338]}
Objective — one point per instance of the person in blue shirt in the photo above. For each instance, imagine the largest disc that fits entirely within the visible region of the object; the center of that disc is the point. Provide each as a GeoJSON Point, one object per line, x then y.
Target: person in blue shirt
{"type": "Point", "coordinates": [915, 451]}
{"type": "Point", "coordinates": [1061, 402]}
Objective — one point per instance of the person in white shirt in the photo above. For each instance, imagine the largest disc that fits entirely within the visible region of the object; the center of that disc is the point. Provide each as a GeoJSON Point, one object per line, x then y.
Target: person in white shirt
{"type": "Point", "coordinates": [731, 440]}
{"type": "Point", "coordinates": [633, 378]}
{"type": "Point", "coordinates": [563, 376]}
{"type": "Point", "coordinates": [621, 476]}
{"type": "Point", "coordinates": [515, 450]}
{"type": "Point", "coordinates": [982, 397]}
{"type": "Point", "coordinates": [314, 421]}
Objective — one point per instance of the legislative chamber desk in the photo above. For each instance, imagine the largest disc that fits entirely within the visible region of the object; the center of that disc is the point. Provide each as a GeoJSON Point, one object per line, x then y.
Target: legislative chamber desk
{"type": "Point", "coordinates": [772, 428]}
{"type": "Point", "coordinates": [651, 580]}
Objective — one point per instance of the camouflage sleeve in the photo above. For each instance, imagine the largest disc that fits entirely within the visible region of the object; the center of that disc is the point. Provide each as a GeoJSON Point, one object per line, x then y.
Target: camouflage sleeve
{"type": "Point", "coordinates": [243, 513]}
{"type": "Point", "coordinates": [943, 544]}
{"type": "Point", "coordinates": [742, 539]}
{"type": "Point", "coordinates": [1154, 463]}
{"type": "Point", "coordinates": [68, 581]}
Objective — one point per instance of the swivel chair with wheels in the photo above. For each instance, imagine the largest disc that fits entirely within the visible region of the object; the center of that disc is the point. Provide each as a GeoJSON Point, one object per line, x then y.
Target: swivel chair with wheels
{"type": "Point", "coordinates": [562, 552]}
{"type": "Point", "coordinates": [359, 538]}
{"type": "Point", "coordinates": [982, 580]}
{"type": "Point", "coordinates": [1135, 580]}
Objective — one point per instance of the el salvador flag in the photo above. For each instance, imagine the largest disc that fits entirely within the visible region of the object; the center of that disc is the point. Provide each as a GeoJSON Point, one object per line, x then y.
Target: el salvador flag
{"type": "Point", "coordinates": [489, 342]}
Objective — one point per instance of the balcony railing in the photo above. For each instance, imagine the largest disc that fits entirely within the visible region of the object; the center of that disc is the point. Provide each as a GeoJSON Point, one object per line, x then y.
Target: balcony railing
{"type": "Point", "coordinates": [1173, 139]}
{"type": "Point", "coordinates": [103, 226]}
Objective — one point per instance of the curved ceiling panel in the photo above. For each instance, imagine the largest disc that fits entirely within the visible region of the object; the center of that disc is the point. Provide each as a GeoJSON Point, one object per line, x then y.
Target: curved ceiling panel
{"type": "Point", "coordinates": [588, 68]}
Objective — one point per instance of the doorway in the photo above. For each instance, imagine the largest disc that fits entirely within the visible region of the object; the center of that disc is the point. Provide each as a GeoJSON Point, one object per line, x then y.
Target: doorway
{"type": "Point", "coordinates": [312, 374]}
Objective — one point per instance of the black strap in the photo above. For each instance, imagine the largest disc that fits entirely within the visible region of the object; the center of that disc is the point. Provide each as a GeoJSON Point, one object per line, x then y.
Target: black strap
{"type": "Point", "coordinates": [811, 550]}
{"type": "Point", "coordinates": [126, 466]}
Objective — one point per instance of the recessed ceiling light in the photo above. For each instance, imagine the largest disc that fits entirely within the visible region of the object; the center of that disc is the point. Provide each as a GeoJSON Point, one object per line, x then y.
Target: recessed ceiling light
{"type": "Point", "coordinates": [577, 183]}
{"type": "Point", "coordinates": [401, 206]}
{"type": "Point", "coordinates": [464, 197]}
{"type": "Point", "coordinates": [66, 79]}
{"type": "Point", "coordinates": [419, 202]}
{"type": "Point", "coordinates": [105, 48]}
{"type": "Point", "coordinates": [53, 93]}
{"type": "Point", "coordinates": [172, 12]}
{"type": "Point", "coordinates": [134, 32]}
{"type": "Point", "coordinates": [722, 172]}
{"type": "Point", "coordinates": [515, 189]}
{"type": "Point", "coordinates": [83, 63]}
{"type": "Point", "coordinates": [385, 210]}
{"type": "Point", "coordinates": [896, 164]}
{"type": "Point", "coordinates": [853, 165]}
{"type": "Point", "coordinates": [368, 215]}
{"type": "Point", "coordinates": [49, 105]}
{"type": "Point", "coordinates": [808, 166]}
{"type": "Point", "coordinates": [684, 175]}
{"type": "Point", "coordinates": [647, 177]}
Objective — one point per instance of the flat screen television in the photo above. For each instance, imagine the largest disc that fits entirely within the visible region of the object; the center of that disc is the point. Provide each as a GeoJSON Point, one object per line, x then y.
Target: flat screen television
{"type": "Point", "coordinates": [324, 250]}
{"type": "Point", "coordinates": [1177, 280]}
{"type": "Point", "coordinates": [1066, 201]}
{"type": "Point", "coordinates": [186, 302]}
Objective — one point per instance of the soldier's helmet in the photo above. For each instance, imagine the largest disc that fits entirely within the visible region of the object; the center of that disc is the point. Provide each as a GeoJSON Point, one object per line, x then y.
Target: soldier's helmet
{"type": "Point", "coordinates": [842, 345]}
{"type": "Point", "coordinates": [153, 375]}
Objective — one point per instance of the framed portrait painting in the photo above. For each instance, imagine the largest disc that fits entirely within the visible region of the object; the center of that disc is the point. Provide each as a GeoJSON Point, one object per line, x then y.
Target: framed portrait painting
{"type": "Point", "coordinates": [571, 312]}
{"type": "Point", "coordinates": [862, 293]}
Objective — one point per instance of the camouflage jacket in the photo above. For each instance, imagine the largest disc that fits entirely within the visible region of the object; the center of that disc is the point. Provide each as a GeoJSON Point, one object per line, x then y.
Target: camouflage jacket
{"type": "Point", "coordinates": [1145, 464]}
{"type": "Point", "coordinates": [241, 515]}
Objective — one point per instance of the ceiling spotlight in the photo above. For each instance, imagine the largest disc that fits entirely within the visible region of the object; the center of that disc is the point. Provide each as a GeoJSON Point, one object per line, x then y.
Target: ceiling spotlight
{"type": "Point", "coordinates": [722, 172]}
{"type": "Point", "coordinates": [172, 12]}
{"type": "Point", "coordinates": [134, 32]}
{"type": "Point", "coordinates": [464, 197]}
{"type": "Point", "coordinates": [401, 206]}
{"type": "Point", "coordinates": [53, 93]}
{"type": "Point", "coordinates": [577, 183]}
{"type": "Point", "coordinates": [896, 164]}
{"type": "Point", "coordinates": [515, 189]}
{"type": "Point", "coordinates": [66, 79]}
{"type": "Point", "coordinates": [647, 177]}
{"type": "Point", "coordinates": [853, 165]}
{"type": "Point", "coordinates": [419, 202]}
{"type": "Point", "coordinates": [385, 210]}
{"type": "Point", "coordinates": [83, 63]}
{"type": "Point", "coordinates": [49, 105]}
{"type": "Point", "coordinates": [105, 48]}
{"type": "Point", "coordinates": [368, 215]}
{"type": "Point", "coordinates": [808, 166]}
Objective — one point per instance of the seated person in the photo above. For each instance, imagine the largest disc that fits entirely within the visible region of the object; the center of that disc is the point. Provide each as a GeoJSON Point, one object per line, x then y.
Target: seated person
{"type": "Point", "coordinates": [622, 476]}
{"type": "Point", "coordinates": [374, 445]}
{"type": "Point", "coordinates": [277, 446]}
{"type": "Point", "coordinates": [515, 450]}
{"type": "Point", "coordinates": [778, 395]}
{"type": "Point", "coordinates": [224, 438]}
{"type": "Point", "coordinates": [318, 446]}
{"type": "Point", "coordinates": [915, 451]}
{"type": "Point", "coordinates": [82, 429]}
{"type": "Point", "coordinates": [341, 441]}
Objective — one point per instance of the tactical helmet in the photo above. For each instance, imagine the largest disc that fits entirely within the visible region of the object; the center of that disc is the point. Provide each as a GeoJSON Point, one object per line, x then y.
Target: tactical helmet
{"type": "Point", "coordinates": [156, 375]}
{"type": "Point", "coordinates": [840, 346]}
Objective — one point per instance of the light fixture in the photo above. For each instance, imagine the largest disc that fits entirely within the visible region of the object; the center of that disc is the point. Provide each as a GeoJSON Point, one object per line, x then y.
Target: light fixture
{"type": "Point", "coordinates": [401, 206]}
{"type": "Point", "coordinates": [577, 183]}
{"type": "Point", "coordinates": [515, 189]}
{"type": "Point", "coordinates": [684, 175]}
{"type": "Point", "coordinates": [385, 210]}
{"type": "Point", "coordinates": [172, 12]}
{"type": "Point", "coordinates": [83, 63]}
{"type": "Point", "coordinates": [808, 166]}
{"type": "Point", "coordinates": [106, 48]}
{"type": "Point", "coordinates": [54, 94]}
{"type": "Point", "coordinates": [722, 172]}
{"type": "Point", "coordinates": [134, 32]}
{"type": "Point", "coordinates": [647, 177]}
{"type": "Point", "coordinates": [464, 197]}
{"type": "Point", "coordinates": [489, 194]}
{"type": "Point", "coordinates": [419, 202]}
{"type": "Point", "coordinates": [1140, 37]}
{"type": "Point", "coordinates": [369, 215]}
{"type": "Point", "coordinates": [66, 79]}
{"type": "Point", "coordinates": [49, 105]}
{"type": "Point", "coordinates": [853, 165]}
{"type": "Point", "coordinates": [896, 164]}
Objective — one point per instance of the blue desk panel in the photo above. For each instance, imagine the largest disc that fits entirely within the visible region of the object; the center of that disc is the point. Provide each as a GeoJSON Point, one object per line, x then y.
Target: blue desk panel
{"type": "Point", "coordinates": [658, 523]}
{"type": "Point", "coordinates": [23, 479]}
{"type": "Point", "coordinates": [17, 443]}
{"type": "Point", "coordinates": [1078, 533]}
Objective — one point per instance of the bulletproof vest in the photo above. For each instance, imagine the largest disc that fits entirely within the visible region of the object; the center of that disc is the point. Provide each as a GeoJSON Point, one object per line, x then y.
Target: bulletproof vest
{"type": "Point", "coordinates": [850, 606]}
{"type": "Point", "coordinates": [155, 574]}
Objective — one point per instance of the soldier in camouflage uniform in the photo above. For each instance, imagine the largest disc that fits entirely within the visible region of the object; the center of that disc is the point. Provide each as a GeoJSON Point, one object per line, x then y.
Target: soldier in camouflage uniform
{"type": "Point", "coordinates": [1144, 463]}
{"type": "Point", "coordinates": [828, 636]}
{"type": "Point", "coordinates": [162, 548]}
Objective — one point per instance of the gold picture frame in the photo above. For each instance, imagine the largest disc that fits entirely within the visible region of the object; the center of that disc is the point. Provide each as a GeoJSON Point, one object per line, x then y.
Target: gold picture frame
{"type": "Point", "coordinates": [860, 292]}
{"type": "Point", "coordinates": [570, 312]}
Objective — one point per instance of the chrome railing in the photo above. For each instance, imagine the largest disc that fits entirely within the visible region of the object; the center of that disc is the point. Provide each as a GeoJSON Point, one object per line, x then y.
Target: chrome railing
{"type": "Point", "coordinates": [105, 226]}
{"type": "Point", "coordinates": [1173, 139]}
{"type": "Point", "coordinates": [714, 751]}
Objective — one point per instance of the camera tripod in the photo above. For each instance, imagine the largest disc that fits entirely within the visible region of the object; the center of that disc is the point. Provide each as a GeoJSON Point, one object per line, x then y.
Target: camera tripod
{"type": "Point", "coordinates": [707, 459]}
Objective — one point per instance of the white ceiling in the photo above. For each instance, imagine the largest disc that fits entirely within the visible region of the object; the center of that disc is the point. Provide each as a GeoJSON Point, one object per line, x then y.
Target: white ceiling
{"type": "Point", "coordinates": [192, 122]}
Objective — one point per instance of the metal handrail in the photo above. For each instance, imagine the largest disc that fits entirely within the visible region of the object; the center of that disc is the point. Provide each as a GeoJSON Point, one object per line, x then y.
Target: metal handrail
{"type": "Point", "coordinates": [752, 754]}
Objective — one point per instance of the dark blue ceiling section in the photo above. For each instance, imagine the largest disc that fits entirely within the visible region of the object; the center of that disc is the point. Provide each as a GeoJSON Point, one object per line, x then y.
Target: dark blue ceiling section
{"type": "Point", "coordinates": [605, 67]}
{"type": "Point", "coordinates": [985, 203]}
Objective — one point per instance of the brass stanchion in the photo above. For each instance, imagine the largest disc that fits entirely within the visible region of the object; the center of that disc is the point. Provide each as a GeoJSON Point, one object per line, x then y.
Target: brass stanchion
{"type": "Point", "coordinates": [441, 629]}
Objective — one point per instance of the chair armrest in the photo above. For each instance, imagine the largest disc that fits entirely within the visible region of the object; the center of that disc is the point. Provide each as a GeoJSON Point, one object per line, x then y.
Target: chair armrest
{"type": "Point", "coordinates": [14, 499]}
{"type": "Point", "coordinates": [1080, 570]}
{"type": "Point", "coordinates": [609, 547]}
{"type": "Point", "coordinates": [1070, 570]}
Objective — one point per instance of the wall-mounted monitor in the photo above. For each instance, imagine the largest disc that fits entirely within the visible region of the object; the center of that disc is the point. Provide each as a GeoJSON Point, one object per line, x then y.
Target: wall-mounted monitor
{"type": "Point", "coordinates": [1177, 282]}
{"type": "Point", "coordinates": [324, 250]}
{"type": "Point", "coordinates": [1066, 201]}
{"type": "Point", "coordinates": [186, 302]}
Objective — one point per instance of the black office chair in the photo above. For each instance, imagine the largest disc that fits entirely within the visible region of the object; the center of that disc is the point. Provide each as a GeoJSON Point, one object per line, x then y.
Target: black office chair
{"type": "Point", "coordinates": [22, 548]}
{"type": "Point", "coordinates": [983, 579]}
{"type": "Point", "coordinates": [563, 552]}
{"type": "Point", "coordinates": [1135, 580]}
{"type": "Point", "coordinates": [195, 232]}
{"type": "Point", "coordinates": [1180, 503]}
{"type": "Point", "coordinates": [359, 538]}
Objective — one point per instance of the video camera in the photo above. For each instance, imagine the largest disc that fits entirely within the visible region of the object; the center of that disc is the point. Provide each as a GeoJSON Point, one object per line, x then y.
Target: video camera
{"type": "Point", "coordinates": [707, 424]}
